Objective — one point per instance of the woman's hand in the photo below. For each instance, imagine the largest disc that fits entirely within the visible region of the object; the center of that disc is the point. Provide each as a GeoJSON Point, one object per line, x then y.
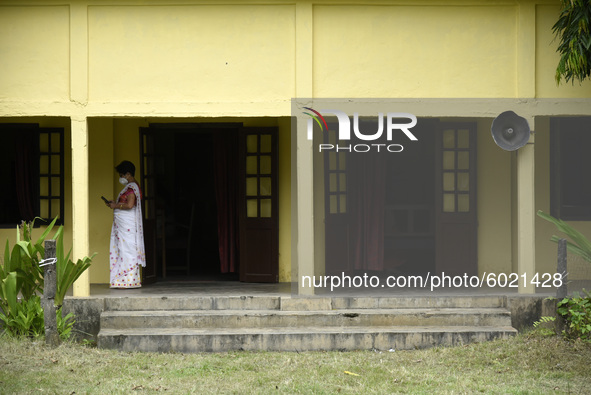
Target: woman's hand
{"type": "Point", "coordinates": [114, 205]}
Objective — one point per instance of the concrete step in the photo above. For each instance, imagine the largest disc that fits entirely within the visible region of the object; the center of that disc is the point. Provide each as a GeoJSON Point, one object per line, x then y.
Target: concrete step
{"type": "Point", "coordinates": [400, 302]}
{"type": "Point", "coordinates": [297, 303]}
{"type": "Point", "coordinates": [297, 339]}
{"type": "Point", "coordinates": [278, 318]}
{"type": "Point", "coordinates": [284, 323]}
{"type": "Point", "coordinates": [193, 303]}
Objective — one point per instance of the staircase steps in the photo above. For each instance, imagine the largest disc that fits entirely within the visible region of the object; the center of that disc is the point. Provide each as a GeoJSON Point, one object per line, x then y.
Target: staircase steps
{"type": "Point", "coordinates": [266, 323]}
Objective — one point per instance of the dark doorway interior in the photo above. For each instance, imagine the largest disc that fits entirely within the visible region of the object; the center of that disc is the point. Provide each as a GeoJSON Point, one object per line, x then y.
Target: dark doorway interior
{"type": "Point", "coordinates": [410, 205]}
{"type": "Point", "coordinates": [193, 215]}
{"type": "Point", "coordinates": [185, 198]}
{"type": "Point", "coordinates": [381, 207]}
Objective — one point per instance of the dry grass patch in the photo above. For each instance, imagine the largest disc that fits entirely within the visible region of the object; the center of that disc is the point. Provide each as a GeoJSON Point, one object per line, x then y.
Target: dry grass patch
{"type": "Point", "coordinates": [525, 364]}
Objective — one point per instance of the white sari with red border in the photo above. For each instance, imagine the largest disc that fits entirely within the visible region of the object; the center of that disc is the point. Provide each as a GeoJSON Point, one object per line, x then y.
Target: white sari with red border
{"type": "Point", "coordinates": [127, 243]}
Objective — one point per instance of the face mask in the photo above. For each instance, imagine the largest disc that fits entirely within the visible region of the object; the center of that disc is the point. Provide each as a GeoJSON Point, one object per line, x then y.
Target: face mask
{"type": "Point", "coordinates": [123, 181]}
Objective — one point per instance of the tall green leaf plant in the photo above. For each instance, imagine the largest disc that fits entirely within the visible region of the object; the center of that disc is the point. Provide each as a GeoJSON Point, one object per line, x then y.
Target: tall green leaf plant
{"type": "Point", "coordinates": [578, 243]}
{"type": "Point", "coordinates": [67, 271]}
{"type": "Point", "coordinates": [24, 260]}
{"type": "Point", "coordinates": [21, 275]}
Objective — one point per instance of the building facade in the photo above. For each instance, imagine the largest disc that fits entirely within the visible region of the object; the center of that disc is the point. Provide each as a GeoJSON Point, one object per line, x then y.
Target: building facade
{"type": "Point", "coordinates": [86, 84]}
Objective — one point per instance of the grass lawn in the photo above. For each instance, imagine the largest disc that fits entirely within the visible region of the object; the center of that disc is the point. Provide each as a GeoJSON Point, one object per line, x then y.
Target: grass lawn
{"type": "Point", "coordinates": [527, 363]}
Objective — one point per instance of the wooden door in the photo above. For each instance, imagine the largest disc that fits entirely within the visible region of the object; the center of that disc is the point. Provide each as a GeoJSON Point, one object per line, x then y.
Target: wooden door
{"type": "Point", "coordinates": [456, 237]}
{"type": "Point", "coordinates": [147, 184]}
{"type": "Point", "coordinates": [258, 205]}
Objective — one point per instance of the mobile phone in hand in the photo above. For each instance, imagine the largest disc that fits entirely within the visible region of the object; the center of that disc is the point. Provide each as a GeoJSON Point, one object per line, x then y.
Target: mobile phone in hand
{"type": "Point", "coordinates": [105, 200]}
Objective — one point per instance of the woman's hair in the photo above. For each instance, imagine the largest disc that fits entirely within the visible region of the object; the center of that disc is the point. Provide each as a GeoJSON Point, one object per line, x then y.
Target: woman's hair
{"type": "Point", "coordinates": [126, 167]}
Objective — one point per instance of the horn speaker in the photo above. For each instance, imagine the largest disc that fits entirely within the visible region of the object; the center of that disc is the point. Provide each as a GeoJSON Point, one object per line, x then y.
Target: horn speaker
{"type": "Point", "coordinates": [510, 131]}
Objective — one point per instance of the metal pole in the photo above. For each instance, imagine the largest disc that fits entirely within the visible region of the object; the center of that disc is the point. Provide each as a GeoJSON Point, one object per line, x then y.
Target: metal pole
{"type": "Point", "coordinates": [49, 290]}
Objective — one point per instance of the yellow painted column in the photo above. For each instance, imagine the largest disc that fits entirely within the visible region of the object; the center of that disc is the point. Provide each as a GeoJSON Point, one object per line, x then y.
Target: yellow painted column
{"type": "Point", "coordinates": [304, 159]}
{"type": "Point", "coordinates": [80, 206]}
{"type": "Point", "coordinates": [80, 182]}
{"type": "Point", "coordinates": [526, 216]}
{"type": "Point", "coordinates": [526, 88]}
{"type": "Point", "coordinates": [305, 202]}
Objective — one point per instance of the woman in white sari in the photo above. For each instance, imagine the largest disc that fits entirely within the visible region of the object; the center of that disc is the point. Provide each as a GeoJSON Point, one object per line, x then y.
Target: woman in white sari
{"type": "Point", "coordinates": [127, 235]}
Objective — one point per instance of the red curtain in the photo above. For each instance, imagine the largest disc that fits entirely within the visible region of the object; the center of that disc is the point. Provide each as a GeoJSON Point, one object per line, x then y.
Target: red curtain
{"type": "Point", "coordinates": [366, 191]}
{"type": "Point", "coordinates": [24, 167]}
{"type": "Point", "coordinates": [226, 192]}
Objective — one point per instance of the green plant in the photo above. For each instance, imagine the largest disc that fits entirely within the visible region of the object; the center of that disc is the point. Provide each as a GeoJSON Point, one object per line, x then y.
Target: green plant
{"type": "Point", "coordinates": [24, 261]}
{"type": "Point", "coordinates": [573, 30]}
{"type": "Point", "coordinates": [577, 314]}
{"type": "Point", "coordinates": [21, 275]}
{"type": "Point", "coordinates": [67, 271]}
{"type": "Point", "coordinates": [26, 319]}
{"type": "Point", "coordinates": [578, 245]}
{"type": "Point", "coordinates": [65, 324]}
{"type": "Point", "coordinates": [542, 327]}
{"type": "Point", "coordinates": [88, 343]}
{"type": "Point", "coordinates": [8, 297]}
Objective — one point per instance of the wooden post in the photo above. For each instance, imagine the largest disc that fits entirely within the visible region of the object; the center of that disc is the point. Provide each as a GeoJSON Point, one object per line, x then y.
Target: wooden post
{"type": "Point", "coordinates": [49, 290]}
{"type": "Point", "coordinates": [562, 291]}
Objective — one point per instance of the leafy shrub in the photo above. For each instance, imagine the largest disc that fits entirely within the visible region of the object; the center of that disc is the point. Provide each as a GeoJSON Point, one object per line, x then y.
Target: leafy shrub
{"type": "Point", "coordinates": [577, 314]}
{"type": "Point", "coordinates": [21, 275]}
{"type": "Point", "coordinates": [26, 320]}
{"type": "Point", "coordinates": [543, 327]}
{"type": "Point", "coordinates": [576, 310]}
{"type": "Point", "coordinates": [65, 324]}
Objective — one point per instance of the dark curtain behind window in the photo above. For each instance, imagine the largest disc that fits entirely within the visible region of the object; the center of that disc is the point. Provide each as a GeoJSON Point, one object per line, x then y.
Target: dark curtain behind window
{"type": "Point", "coordinates": [24, 170]}
{"type": "Point", "coordinates": [226, 192]}
{"type": "Point", "coordinates": [367, 192]}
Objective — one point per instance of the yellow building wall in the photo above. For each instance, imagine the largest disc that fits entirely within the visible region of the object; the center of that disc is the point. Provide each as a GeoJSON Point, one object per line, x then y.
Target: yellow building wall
{"type": "Point", "coordinates": [493, 203]}
{"type": "Point", "coordinates": [154, 53]}
{"type": "Point", "coordinates": [193, 52]}
{"type": "Point", "coordinates": [101, 174]}
{"type": "Point", "coordinates": [34, 53]}
{"type": "Point", "coordinates": [414, 51]}
{"type": "Point", "coordinates": [151, 53]}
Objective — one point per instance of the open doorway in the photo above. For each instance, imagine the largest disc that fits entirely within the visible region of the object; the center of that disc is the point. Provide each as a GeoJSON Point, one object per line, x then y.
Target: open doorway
{"type": "Point", "coordinates": [182, 198]}
{"type": "Point", "coordinates": [409, 224]}
{"type": "Point", "coordinates": [191, 218]}
{"type": "Point", "coordinates": [380, 207]}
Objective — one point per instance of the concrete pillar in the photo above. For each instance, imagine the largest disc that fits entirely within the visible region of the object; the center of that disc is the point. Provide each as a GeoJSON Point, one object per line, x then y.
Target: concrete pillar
{"type": "Point", "coordinates": [305, 209]}
{"type": "Point", "coordinates": [526, 213]}
{"type": "Point", "coordinates": [80, 206]}
{"type": "Point", "coordinates": [80, 184]}
{"type": "Point", "coordinates": [304, 152]}
{"type": "Point", "coordinates": [526, 216]}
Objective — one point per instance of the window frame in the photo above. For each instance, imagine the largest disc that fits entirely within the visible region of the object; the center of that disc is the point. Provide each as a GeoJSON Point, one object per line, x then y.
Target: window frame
{"type": "Point", "coordinates": [51, 175]}
{"type": "Point", "coordinates": [37, 175]}
{"type": "Point", "coordinates": [558, 207]}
